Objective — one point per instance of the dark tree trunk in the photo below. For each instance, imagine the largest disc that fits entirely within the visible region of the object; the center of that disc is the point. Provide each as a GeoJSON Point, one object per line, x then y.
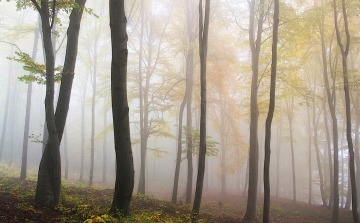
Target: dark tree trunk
{"type": "Point", "coordinates": [203, 45]}
{"type": "Point", "coordinates": [124, 184]}
{"type": "Point", "coordinates": [344, 54]}
{"type": "Point", "coordinates": [190, 22]}
{"type": "Point", "coordinates": [255, 44]}
{"type": "Point", "coordinates": [269, 118]}
{"type": "Point", "coordinates": [27, 115]}
{"type": "Point", "coordinates": [49, 177]}
{"type": "Point", "coordinates": [331, 104]}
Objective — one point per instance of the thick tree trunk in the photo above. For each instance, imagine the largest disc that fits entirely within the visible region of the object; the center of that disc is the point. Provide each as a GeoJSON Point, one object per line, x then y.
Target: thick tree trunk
{"type": "Point", "coordinates": [27, 115]}
{"type": "Point", "coordinates": [49, 177]}
{"type": "Point", "coordinates": [203, 45]}
{"type": "Point", "coordinates": [124, 184]}
{"type": "Point", "coordinates": [269, 118]}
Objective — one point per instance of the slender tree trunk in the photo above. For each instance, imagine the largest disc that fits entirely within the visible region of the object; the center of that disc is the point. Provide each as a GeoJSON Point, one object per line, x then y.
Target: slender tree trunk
{"type": "Point", "coordinates": [344, 55]}
{"type": "Point", "coordinates": [278, 158]}
{"type": "Point", "coordinates": [189, 140]}
{"type": "Point", "coordinates": [91, 176]}
{"type": "Point", "coordinates": [269, 118]}
{"type": "Point", "coordinates": [141, 188]}
{"type": "Point", "coordinates": [66, 158]}
{"type": "Point", "coordinates": [330, 162]}
{"type": "Point", "coordinates": [27, 115]}
{"type": "Point", "coordinates": [179, 152]}
{"type": "Point", "coordinates": [317, 150]}
{"type": "Point", "coordinates": [3, 132]}
{"type": "Point", "coordinates": [310, 153]}
{"type": "Point", "coordinates": [203, 45]}
{"type": "Point", "coordinates": [104, 144]}
{"type": "Point", "coordinates": [290, 118]}
{"type": "Point", "coordinates": [124, 184]}
{"type": "Point", "coordinates": [255, 44]}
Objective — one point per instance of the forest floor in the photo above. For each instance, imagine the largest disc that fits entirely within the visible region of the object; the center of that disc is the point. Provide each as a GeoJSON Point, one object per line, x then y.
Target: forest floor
{"type": "Point", "coordinates": [80, 202]}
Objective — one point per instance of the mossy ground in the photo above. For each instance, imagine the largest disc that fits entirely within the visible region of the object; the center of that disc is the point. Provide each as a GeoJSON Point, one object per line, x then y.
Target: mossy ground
{"type": "Point", "coordinates": [81, 203]}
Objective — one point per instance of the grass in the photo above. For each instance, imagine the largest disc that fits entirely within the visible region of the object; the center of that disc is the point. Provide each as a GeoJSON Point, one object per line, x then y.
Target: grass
{"type": "Point", "coordinates": [81, 203]}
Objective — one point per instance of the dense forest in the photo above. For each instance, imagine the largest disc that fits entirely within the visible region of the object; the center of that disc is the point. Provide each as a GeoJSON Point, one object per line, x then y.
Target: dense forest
{"type": "Point", "coordinates": [223, 110]}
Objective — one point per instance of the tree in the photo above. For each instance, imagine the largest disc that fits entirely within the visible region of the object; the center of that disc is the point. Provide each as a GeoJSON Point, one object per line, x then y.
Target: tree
{"type": "Point", "coordinates": [124, 183]}
{"type": "Point", "coordinates": [49, 177]}
{"type": "Point", "coordinates": [2, 140]}
{"type": "Point", "coordinates": [344, 54]}
{"type": "Point", "coordinates": [270, 115]}
{"type": "Point", "coordinates": [27, 116]}
{"type": "Point", "coordinates": [255, 44]}
{"type": "Point", "coordinates": [203, 47]}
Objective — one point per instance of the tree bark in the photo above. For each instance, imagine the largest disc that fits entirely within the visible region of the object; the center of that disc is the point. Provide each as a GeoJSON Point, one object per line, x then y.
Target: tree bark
{"type": "Point", "coordinates": [344, 54]}
{"type": "Point", "coordinates": [290, 118]}
{"type": "Point", "coordinates": [179, 152]}
{"type": "Point", "coordinates": [255, 45]}
{"type": "Point", "coordinates": [27, 115]}
{"type": "Point", "coordinates": [124, 184]}
{"type": "Point", "coordinates": [3, 132]}
{"type": "Point", "coordinates": [203, 45]}
{"type": "Point", "coordinates": [49, 177]}
{"type": "Point", "coordinates": [269, 118]}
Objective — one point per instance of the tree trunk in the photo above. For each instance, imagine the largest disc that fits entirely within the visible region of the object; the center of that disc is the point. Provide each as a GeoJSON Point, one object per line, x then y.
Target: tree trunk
{"type": "Point", "coordinates": [91, 176]}
{"type": "Point", "coordinates": [124, 184]}
{"type": "Point", "coordinates": [203, 45]}
{"type": "Point", "coordinates": [255, 44]}
{"type": "Point", "coordinates": [310, 152]}
{"type": "Point", "coordinates": [104, 144]}
{"type": "Point", "coordinates": [269, 118]}
{"type": "Point", "coordinates": [49, 177]}
{"type": "Point", "coordinates": [179, 152]}
{"type": "Point", "coordinates": [290, 118]}
{"type": "Point", "coordinates": [27, 115]}
{"type": "Point", "coordinates": [344, 55]}
{"type": "Point", "coordinates": [141, 188]}
{"type": "Point", "coordinates": [317, 150]}
{"type": "Point", "coordinates": [3, 132]}
{"type": "Point", "coordinates": [189, 153]}
{"type": "Point", "coordinates": [278, 158]}
{"type": "Point", "coordinates": [66, 155]}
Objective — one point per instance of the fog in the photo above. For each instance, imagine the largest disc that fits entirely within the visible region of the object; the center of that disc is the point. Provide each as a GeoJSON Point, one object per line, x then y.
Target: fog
{"type": "Point", "coordinates": [302, 120]}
